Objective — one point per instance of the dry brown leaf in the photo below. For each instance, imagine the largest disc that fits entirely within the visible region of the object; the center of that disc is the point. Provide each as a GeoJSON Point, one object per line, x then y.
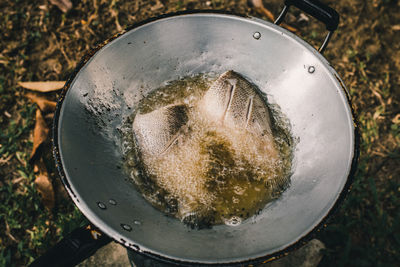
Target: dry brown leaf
{"type": "Point", "coordinates": [44, 104]}
{"type": "Point", "coordinates": [259, 6]}
{"type": "Point", "coordinates": [40, 133]}
{"type": "Point", "coordinates": [396, 27]}
{"type": "Point", "coordinates": [8, 233]}
{"type": "Point", "coordinates": [17, 180]}
{"type": "Point", "coordinates": [157, 6]}
{"type": "Point", "coordinates": [44, 186]}
{"type": "Point", "coordinates": [288, 27]}
{"type": "Point", "coordinates": [49, 116]}
{"type": "Point", "coordinates": [5, 160]}
{"type": "Point", "coordinates": [52, 65]}
{"type": "Point", "coordinates": [396, 119]}
{"type": "Point", "coordinates": [115, 15]}
{"type": "Point", "coordinates": [8, 115]}
{"type": "Point", "coordinates": [35, 168]}
{"type": "Point", "coordinates": [43, 87]}
{"type": "Point", "coordinates": [3, 60]}
{"type": "Point", "coordinates": [63, 5]}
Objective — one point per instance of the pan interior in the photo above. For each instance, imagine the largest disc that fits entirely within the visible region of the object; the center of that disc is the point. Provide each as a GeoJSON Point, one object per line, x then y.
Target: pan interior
{"type": "Point", "coordinates": [292, 75]}
{"type": "Point", "coordinates": [204, 150]}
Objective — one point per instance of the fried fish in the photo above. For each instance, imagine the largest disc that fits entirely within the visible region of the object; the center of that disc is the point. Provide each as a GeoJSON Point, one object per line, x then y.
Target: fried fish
{"type": "Point", "coordinates": [216, 159]}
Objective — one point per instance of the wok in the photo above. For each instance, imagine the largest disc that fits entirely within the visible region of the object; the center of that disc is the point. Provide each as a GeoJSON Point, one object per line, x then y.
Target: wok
{"type": "Point", "coordinates": [114, 77]}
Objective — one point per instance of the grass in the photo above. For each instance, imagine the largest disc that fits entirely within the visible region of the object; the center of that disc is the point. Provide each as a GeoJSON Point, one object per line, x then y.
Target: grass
{"type": "Point", "coordinates": [27, 227]}
{"type": "Point", "coordinates": [40, 43]}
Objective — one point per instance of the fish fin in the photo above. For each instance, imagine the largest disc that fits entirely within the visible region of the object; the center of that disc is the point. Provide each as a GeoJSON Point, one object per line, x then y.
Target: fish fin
{"type": "Point", "coordinates": [249, 111]}
{"type": "Point", "coordinates": [230, 99]}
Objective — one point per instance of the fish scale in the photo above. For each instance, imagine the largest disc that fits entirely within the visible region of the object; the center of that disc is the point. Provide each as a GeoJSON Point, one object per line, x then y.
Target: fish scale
{"type": "Point", "coordinates": [233, 101]}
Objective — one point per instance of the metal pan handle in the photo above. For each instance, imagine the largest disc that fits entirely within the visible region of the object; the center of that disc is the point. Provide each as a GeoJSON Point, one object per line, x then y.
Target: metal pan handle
{"type": "Point", "coordinates": [319, 11]}
{"type": "Point", "coordinates": [73, 248]}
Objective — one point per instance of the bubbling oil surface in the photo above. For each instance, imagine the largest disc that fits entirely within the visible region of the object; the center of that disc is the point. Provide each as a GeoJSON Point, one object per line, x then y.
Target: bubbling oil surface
{"type": "Point", "coordinates": [213, 174]}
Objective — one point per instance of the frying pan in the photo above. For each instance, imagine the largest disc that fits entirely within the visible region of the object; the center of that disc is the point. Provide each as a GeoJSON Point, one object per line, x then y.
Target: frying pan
{"type": "Point", "coordinates": [113, 78]}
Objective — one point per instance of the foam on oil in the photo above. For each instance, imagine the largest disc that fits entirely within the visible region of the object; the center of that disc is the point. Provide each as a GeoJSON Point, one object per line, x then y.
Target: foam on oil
{"type": "Point", "coordinates": [212, 174]}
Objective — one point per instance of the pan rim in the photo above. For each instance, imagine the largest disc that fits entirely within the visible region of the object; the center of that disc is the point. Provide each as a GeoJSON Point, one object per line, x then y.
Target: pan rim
{"type": "Point", "coordinates": [107, 230]}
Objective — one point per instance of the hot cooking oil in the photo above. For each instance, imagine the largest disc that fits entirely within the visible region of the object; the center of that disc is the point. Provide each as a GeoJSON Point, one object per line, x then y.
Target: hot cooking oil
{"type": "Point", "coordinates": [200, 170]}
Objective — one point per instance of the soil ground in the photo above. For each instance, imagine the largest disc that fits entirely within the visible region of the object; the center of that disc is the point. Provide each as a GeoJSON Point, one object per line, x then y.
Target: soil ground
{"type": "Point", "coordinates": [41, 43]}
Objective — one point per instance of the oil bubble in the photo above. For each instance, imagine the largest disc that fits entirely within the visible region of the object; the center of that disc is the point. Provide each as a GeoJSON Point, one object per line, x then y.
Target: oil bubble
{"type": "Point", "coordinates": [233, 221]}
